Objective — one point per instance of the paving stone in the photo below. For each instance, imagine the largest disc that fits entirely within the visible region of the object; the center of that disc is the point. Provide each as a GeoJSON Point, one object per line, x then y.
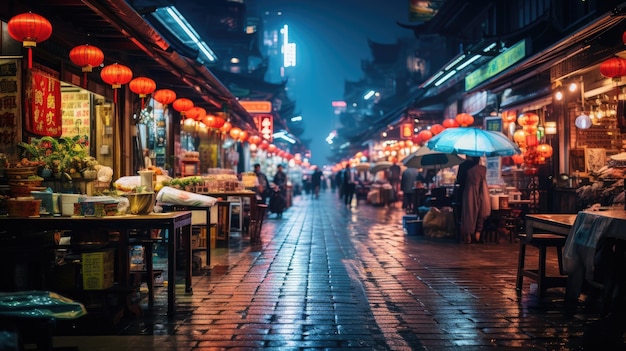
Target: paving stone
{"type": "Point", "coordinates": [331, 278]}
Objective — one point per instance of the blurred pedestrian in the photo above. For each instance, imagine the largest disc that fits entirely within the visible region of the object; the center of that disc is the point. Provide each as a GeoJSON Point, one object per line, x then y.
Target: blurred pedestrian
{"type": "Point", "coordinates": [263, 185]}
{"type": "Point", "coordinates": [339, 183]}
{"type": "Point", "coordinates": [409, 176]}
{"type": "Point", "coordinates": [349, 184]}
{"type": "Point", "coordinates": [476, 206]}
{"type": "Point", "coordinates": [316, 181]}
{"type": "Point", "coordinates": [278, 199]}
{"type": "Point", "coordinates": [394, 173]}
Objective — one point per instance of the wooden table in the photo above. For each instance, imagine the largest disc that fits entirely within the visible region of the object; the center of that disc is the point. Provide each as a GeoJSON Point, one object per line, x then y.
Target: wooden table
{"type": "Point", "coordinates": [555, 223]}
{"type": "Point", "coordinates": [176, 224]}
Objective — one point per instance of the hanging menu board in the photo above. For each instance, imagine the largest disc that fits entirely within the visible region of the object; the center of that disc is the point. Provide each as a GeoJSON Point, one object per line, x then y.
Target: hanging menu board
{"type": "Point", "coordinates": [76, 112]}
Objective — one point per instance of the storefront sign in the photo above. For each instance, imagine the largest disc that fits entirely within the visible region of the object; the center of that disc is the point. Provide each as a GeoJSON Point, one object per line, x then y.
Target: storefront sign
{"type": "Point", "coordinates": [496, 65]}
{"type": "Point", "coordinates": [265, 126]}
{"type": "Point", "coordinates": [256, 106]}
{"type": "Point", "coordinates": [9, 105]}
{"type": "Point", "coordinates": [43, 103]}
{"type": "Point", "coordinates": [76, 113]}
{"type": "Point", "coordinates": [406, 130]}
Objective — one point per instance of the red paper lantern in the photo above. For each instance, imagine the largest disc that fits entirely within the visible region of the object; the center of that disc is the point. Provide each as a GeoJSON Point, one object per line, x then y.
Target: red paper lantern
{"type": "Point", "coordinates": [29, 28]}
{"type": "Point", "coordinates": [164, 96]}
{"type": "Point", "coordinates": [614, 68]}
{"type": "Point", "coordinates": [464, 119]}
{"type": "Point", "coordinates": [436, 128]}
{"type": "Point", "coordinates": [142, 86]}
{"type": "Point", "coordinates": [520, 137]}
{"type": "Point", "coordinates": [116, 75]}
{"type": "Point", "coordinates": [264, 145]}
{"type": "Point", "coordinates": [182, 105]}
{"type": "Point", "coordinates": [271, 148]}
{"type": "Point", "coordinates": [243, 136]}
{"type": "Point", "coordinates": [226, 127]}
{"type": "Point", "coordinates": [509, 116]}
{"type": "Point", "coordinates": [219, 122]}
{"type": "Point", "coordinates": [234, 133]}
{"type": "Point", "coordinates": [86, 56]}
{"type": "Point", "coordinates": [425, 135]}
{"type": "Point", "coordinates": [417, 139]}
{"type": "Point", "coordinates": [254, 139]}
{"type": "Point", "coordinates": [528, 119]}
{"type": "Point", "coordinates": [518, 159]}
{"type": "Point", "coordinates": [197, 113]}
{"type": "Point", "coordinates": [545, 150]}
{"type": "Point", "coordinates": [208, 121]}
{"type": "Point", "coordinates": [450, 123]}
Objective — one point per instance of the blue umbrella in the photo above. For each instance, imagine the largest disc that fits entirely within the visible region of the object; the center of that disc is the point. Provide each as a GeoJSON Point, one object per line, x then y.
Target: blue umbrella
{"type": "Point", "coordinates": [473, 142]}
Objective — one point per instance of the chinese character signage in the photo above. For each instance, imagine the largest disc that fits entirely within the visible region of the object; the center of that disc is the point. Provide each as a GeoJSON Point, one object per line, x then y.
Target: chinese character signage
{"type": "Point", "coordinates": [256, 106]}
{"type": "Point", "coordinates": [76, 113]}
{"type": "Point", "coordinates": [9, 105]}
{"type": "Point", "coordinates": [406, 130]}
{"type": "Point", "coordinates": [43, 104]}
{"type": "Point", "coordinates": [265, 125]}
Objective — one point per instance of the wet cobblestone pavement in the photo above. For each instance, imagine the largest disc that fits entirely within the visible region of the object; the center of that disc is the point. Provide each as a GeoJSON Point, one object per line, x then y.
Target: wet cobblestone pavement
{"type": "Point", "coordinates": [327, 277]}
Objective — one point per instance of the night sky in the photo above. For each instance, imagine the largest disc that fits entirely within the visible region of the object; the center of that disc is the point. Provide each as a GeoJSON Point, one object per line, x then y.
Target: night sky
{"type": "Point", "coordinates": [332, 40]}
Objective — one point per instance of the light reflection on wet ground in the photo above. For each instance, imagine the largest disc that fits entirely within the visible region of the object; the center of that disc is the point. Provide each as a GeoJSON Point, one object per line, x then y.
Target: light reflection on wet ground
{"type": "Point", "coordinates": [331, 277]}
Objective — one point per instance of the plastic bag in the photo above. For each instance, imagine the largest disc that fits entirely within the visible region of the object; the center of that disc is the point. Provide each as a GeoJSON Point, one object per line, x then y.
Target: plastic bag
{"type": "Point", "coordinates": [175, 196]}
{"type": "Point", "coordinates": [38, 304]}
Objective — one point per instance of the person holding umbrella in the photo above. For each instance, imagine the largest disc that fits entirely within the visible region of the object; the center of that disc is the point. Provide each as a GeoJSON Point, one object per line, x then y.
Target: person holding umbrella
{"type": "Point", "coordinates": [474, 192]}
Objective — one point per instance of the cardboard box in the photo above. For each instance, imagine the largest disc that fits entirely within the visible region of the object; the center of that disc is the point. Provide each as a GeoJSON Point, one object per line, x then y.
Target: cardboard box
{"type": "Point", "coordinates": [98, 270]}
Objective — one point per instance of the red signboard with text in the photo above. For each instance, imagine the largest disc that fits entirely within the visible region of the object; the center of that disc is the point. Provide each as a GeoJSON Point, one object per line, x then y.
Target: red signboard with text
{"type": "Point", "coordinates": [265, 125]}
{"type": "Point", "coordinates": [43, 106]}
{"type": "Point", "coordinates": [406, 130]}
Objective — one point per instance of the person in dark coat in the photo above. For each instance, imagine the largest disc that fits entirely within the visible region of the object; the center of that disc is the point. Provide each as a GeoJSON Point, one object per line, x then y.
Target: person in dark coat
{"type": "Point", "coordinates": [349, 185]}
{"type": "Point", "coordinates": [263, 187]}
{"type": "Point", "coordinates": [339, 183]}
{"type": "Point", "coordinates": [475, 207]}
{"type": "Point", "coordinates": [279, 197]}
{"type": "Point", "coordinates": [316, 182]}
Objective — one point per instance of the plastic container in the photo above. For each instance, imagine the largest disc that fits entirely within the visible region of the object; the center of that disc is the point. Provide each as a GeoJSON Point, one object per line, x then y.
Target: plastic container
{"type": "Point", "coordinates": [67, 203]}
{"type": "Point", "coordinates": [411, 225]}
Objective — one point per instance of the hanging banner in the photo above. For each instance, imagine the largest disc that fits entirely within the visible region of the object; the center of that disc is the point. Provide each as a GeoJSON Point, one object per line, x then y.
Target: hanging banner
{"type": "Point", "coordinates": [9, 106]}
{"type": "Point", "coordinates": [43, 105]}
{"type": "Point", "coordinates": [265, 125]}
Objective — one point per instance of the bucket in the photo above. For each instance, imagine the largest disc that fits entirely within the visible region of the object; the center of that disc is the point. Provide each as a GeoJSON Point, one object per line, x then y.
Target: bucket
{"type": "Point", "coordinates": [411, 225]}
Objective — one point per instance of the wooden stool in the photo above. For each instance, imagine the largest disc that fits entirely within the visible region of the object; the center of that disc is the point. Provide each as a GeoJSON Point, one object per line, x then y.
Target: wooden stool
{"type": "Point", "coordinates": [542, 241]}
